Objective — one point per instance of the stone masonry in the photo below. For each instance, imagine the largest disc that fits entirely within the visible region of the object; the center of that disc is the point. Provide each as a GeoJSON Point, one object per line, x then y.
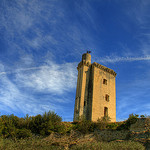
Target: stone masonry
{"type": "Point", "coordinates": [96, 91]}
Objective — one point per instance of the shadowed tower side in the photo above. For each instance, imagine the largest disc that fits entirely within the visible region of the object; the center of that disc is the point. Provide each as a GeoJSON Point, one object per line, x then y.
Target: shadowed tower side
{"type": "Point", "coordinates": [82, 86]}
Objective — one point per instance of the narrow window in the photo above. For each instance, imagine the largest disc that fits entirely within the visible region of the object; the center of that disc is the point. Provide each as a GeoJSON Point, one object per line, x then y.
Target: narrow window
{"type": "Point", "coordinates": [107, 97]}
{"type": "Point", "coordinates": [105, 111]}
{"type": "Point", "coordinates": [84, 103]}
{"type": "Point", "coordinates": [105, 81]}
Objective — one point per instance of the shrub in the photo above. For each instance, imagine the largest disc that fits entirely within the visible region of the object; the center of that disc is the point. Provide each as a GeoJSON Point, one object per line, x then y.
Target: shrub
{"type": "Point", "coordinates": [23, 133]}
{"type": "Point", "coordinates": [131, 120]}
{"type": "Point", "coordinates": [84, 126]}
{"type": "Point", "coordinates": [13, 126]}
{"type": "Point", "coordinates": [103, 122]}
{"type": "Point", "coordinates": [65, 127]}
{"type": "Point", "coordinates": [112, 126]}
{"type": "Point", "coordinates": [45, 124]}
{"type": "Point", "coordinates": [7, 128]}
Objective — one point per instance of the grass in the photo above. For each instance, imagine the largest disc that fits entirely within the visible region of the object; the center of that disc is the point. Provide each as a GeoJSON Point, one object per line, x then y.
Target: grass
{"type": "Point", "coordinates": [37, 143]}
{"type": "Point", "coordinates": [27, 144]}
{"type": "Point", "coordinates": [126, 145]}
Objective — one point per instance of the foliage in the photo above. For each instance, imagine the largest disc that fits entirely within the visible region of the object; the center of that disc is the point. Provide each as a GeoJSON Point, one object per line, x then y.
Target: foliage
{"type": "Point", "coordinates": [7, 127]}
{"type": "Point", "coordinates": [23, 133]}
{"type": "Point", "coordinates": [113, 125]}
{"type": "Point", "coordinates": [142, 116]}
{"type": "Point", "coordinates": [15, 127]}
{"type": "Point", "coordinates": [126, 124]}
{"type": "Point", "coordinates": [65, 127]}
{"type": "Point", "coordinates": [84, 126]}
{"type": "Point", "coordinates": [103, 122]}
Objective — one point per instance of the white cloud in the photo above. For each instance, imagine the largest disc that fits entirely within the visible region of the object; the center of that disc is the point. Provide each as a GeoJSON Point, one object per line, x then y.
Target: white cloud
{"type": "Point", "coordinates": [12, 100]}
{"type": "Point", "coordinates": [23, 23]}
{"type": "Point", "coordinates": [114, 59]}
{"type": "Point", "coordinates": [27, 59]}
{"type": "Point", "coordinates": [53, 78]}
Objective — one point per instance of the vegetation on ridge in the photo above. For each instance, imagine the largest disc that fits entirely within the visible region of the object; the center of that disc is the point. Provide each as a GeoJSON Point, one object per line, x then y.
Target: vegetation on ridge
{"type": "Point", "coordinates": [15, 127]}
{"type": "Point", "coordinates": [32, 132]}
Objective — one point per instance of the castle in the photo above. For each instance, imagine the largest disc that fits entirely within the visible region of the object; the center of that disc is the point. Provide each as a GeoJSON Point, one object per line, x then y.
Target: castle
{"type": "Point", "coordinates": [96, 91]}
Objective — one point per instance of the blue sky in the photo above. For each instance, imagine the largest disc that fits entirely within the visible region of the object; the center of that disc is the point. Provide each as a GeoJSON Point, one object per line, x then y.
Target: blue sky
{"type": "Point", "coordinates": [41, 44]}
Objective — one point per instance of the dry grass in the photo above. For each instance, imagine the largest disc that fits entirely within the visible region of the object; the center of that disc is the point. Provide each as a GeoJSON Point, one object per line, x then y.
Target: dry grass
{"type": "Point", "coordinates": [74, 141]}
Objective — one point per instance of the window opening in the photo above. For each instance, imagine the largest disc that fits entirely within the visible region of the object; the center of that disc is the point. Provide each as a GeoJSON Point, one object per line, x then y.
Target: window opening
{"type": "Point", "coordinates": [105, 81]}
{"type": "Point", "coordinates": [107, 97]}
{"type": "Point", "coordinates": [105, 111]}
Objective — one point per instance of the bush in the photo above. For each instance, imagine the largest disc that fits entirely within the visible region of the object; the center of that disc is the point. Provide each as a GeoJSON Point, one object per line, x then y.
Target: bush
{"type": "Point", "coordinates": [84, 126]}
{"type": "Point", "coordinates": [65, 127]}
{"type": "Point", "coordinates": [23, 133]}
{"type": "Point", "coordinates": [45, 124]}
{"type": "Point", "coordinates": [131, 120]}
{"type": "Point", "coordinates": [12, 126]}
{"type": "Point", "coordinates": [103, 122]}
{"type": "Point", "coordinates": [7, 128]}
{"type": "Point", "coordinates": [112, 126]}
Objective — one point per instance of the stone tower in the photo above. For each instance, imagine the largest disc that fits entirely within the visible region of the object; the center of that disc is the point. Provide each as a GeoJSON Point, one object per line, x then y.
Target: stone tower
{"type": "Point", "coordinates": [96, 91]}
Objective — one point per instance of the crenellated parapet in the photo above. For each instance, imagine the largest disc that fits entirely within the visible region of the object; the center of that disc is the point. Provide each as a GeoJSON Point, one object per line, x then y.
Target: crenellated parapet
{"type": "Point", "coordinates": [105, 69]}
{"type": "Point", "coordinates": [83, 63]}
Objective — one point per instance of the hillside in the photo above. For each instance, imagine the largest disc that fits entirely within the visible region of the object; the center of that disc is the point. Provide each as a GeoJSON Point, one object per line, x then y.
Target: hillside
{"type": "Point", "coordinates": [48, 131]}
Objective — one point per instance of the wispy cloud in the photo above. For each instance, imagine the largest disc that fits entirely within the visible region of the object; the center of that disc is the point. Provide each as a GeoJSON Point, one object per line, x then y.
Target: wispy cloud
{"type": "Point", "coordinates": [52, 78]}
{"type": "Point", "coordinates": [24, 23]}
{"type": "Point", "coordinates": [114, 59]}
{"type": "Point", "coordinates": [12, 100]}
{"type": "Point", "coordinates": [138, 12]}
{"type": "Point", "coordinates": [22, 69]}
{"type": "Point", "coordinates": [52, 81]}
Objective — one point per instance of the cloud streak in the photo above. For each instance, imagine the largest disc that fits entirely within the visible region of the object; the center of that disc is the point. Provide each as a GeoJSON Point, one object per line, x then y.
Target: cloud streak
{"type": "Point", "coordinates": [53, 78]}
{"type": "Point", "coordinates": [115, 59]}
{"type": "Point", "coordinates": [35, 90]}
{"type": "Point", "coordinates": [22, 69]}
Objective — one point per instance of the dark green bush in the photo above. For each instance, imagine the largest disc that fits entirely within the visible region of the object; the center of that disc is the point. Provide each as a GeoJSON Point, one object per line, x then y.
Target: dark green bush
{"type": "Point", "coordinates": [102, 123]}
{"type": "Point", "coordinates": [45, 124]}
{"type": "Point", "coordinates": [23, 133]}
{"type": "Point", "coordinates": [13, 126]}
{"type": "Point", "coordinates": [84, 126]}
{"type": "Point", "coordinates": [7, 127]}
{"type": "Point", "coordinates": [111, 125]}
{"type": "Point", "coordinates": [131, 120]}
